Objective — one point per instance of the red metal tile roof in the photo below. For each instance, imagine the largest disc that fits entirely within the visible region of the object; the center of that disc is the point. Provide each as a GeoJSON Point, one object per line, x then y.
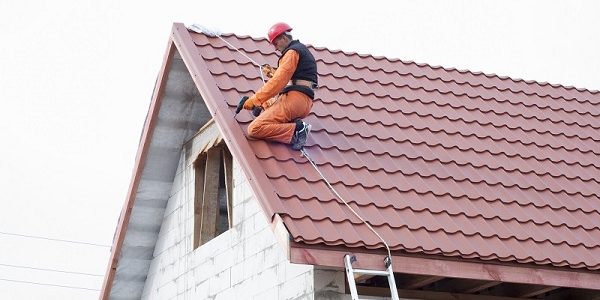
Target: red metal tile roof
{"type": "Point", "coordinates": [441, 161]}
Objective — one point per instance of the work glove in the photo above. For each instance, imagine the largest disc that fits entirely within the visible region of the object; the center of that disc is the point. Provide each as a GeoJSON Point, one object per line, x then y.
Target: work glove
{"type": "Point", "coordinates": [241, 104]}
{"type": "Point", "coordinates": [249, 104]}
{"type": "Point", "coordinates": [267, 71]}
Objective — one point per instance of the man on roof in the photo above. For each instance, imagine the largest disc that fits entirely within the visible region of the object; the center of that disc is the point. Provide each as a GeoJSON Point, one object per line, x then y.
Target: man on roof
{"type": "Point", "coordinates": [287, 96]}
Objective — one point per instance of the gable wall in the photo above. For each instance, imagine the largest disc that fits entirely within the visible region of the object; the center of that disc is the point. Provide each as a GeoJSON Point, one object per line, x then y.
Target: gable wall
{"type": "Point", "coordinates": [245, 262]}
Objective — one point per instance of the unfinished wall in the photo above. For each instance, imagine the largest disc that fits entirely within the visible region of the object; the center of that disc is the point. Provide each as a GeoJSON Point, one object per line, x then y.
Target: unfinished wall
{"type": "Point", "coordinates": [245, 262]}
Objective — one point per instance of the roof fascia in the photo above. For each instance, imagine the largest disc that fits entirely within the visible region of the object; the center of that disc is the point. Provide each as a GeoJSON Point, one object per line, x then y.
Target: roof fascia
{"type": "Point", "coordinates": [140, 160]}
{"type": "Point", "coordinates": [448, 268]}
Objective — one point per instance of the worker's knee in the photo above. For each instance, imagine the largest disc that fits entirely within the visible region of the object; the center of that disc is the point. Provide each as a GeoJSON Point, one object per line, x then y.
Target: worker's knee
{"type": "Point", "coordinates": [254, 130]}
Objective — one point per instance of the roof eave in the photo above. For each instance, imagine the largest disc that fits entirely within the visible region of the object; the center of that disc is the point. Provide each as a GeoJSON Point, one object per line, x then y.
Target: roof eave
{"type": "Point", "coordinates": [334, 258]}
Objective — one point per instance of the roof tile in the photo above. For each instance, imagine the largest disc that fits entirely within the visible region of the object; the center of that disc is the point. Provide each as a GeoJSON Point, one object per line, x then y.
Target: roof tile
{"type": "Point", "coordinates": [440, 161]}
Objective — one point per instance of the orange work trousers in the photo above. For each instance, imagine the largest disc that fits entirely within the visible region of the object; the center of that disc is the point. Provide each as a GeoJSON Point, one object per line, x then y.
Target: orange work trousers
{"type": "Point", "coordinates": [275, 123]}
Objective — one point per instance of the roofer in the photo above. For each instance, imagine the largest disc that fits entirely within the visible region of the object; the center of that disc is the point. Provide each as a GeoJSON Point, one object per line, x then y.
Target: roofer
{"type": "Point", "coordinates": [287, 96]}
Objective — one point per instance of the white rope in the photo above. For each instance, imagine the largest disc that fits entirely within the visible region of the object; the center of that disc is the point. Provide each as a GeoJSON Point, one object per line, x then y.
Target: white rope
{"type": "Point", "coordinates": [246, 56]}
{"type": "Point", "coordinates": [303, 151]}
{"type": "Point", "coordinates": [215, 33]}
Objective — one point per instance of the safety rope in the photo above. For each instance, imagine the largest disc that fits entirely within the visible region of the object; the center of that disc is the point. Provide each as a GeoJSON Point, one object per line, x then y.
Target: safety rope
{"type": "Point", "coordinates": [246, 56]}
{"type": "Point", "coordinates": [215, 34]}
{"type": "Point", "coordinates": [311, 161]}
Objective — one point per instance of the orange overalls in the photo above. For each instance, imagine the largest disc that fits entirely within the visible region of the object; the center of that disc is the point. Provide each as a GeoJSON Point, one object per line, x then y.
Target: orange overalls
{"type": "Point", "coordinates": [275, 123]}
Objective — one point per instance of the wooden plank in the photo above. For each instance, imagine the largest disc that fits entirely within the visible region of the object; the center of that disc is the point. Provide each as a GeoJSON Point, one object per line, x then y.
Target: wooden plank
{"type": "Point", "coordinates": [301, 254]}
{"type": "Point", "coordinates": [429, 295]}
{"type": "Point", "coordinates": [479, 286]}
{"type": "Point", "coordinates": [228, 170]}
{"type": "Point", "coordinates": [521, 290]}
{"type": "Point", "coordinates": [199, 170]}
{"type": "Point", "coordinates": [464, 286]}
{"type": "Point", "coordinates": [210, 203]}
{"type": "Point", "coordinates": [534, 290]}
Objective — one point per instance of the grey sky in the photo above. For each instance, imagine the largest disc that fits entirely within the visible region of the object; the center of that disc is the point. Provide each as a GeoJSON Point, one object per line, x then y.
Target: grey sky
{"type": "Point", "coordinates": [76, 79]}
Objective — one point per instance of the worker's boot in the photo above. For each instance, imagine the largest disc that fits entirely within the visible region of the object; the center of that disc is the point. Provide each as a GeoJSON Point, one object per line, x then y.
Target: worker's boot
{"type": "Point", "coordinates": [301, 134]}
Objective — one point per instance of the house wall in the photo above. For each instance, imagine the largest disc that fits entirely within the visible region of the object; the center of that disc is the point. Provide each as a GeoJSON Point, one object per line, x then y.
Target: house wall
{"type": "Point", "coordinates": [245, 262]}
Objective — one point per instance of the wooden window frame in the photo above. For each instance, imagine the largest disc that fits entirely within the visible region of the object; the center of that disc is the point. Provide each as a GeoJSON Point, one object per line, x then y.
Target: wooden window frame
{"type": "Point", "coordinates": [207, 168]}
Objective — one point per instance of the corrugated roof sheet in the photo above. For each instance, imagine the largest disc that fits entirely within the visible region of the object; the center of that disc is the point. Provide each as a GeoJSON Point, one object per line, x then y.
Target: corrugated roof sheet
{"type": "Point", "coordinates": [440, 161]}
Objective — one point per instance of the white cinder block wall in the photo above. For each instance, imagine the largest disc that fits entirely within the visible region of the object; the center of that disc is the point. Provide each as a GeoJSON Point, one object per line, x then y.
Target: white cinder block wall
{"type": "Point", "coordinates": [245, 262]}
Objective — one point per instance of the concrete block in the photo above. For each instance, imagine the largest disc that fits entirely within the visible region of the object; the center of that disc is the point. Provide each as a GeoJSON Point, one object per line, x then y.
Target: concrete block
{"type": "Point", "coordinates": [268, 277]}
{"type": "Point", "coordinates": [272, 256]}
{"type": "Point", "coordinates": [295, 270]}
{"type": "Point", "coordinates": [174, 202]}
{"type": "Point", "coordinates": [237, 274]}
{"type": "Point", "coordinates": [239, 253]}
{"type": "Point", "coordinates": [220, 282]}
{"type": "Point", "coordinates": [260, 221]}
{"type": "Point", "coordinates": [238, 214]}
{"type": "Point", "coordinates": [204, 271]}
{"type": "Point", "coordinates": [201, 290]}
{"type": "Point", "coordinates": [251, 208]}
{"type": "Point", "coordinates": [227, 294]}
{"type": "Point", "coordinates": [224, 260]}
{"type": "Point", "coordinates": [293, 288]}
{"type": "Point", "coordinates": [253, 245]}
{"type": "Point", "coordinates": [167, 290]}
{"type": "Point", "coordinates": [253, 264]}
{"type": "Point", "coordinates": [247, 226]}
{"type": "Point", "coordinates": [271, 293]}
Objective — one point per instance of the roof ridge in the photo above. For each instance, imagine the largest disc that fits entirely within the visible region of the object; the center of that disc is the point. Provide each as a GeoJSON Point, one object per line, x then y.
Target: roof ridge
{"type": "Point", "coordinates": [426, 65]}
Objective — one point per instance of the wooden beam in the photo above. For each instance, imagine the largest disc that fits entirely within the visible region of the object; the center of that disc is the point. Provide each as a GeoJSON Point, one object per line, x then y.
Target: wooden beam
{"type": "Point", "coordinates": [228, 171]}
{"type": "Point", "coordinates": [334, 258]}
{"type": "Point", "coordinates": [417, 281]}
{"type": "Point", "coordinates": [210, 203]}
{"type": "Point", "coordinates": [429, 295]}
{"type": "Point", "coordinates": [463, 286]}
{"type": "Point", "coordinates": [479, 286]}
{"type": "Point", "coordinates": [199, 167]}
{"type": "Point", "coordinates": [534, 290]}
{"type": "Point", "coordinates": [521, 290]}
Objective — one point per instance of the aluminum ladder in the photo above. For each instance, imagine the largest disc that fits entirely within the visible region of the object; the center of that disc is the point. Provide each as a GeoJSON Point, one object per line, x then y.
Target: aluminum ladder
{"type": "Point", "coordinates": [350, 271]}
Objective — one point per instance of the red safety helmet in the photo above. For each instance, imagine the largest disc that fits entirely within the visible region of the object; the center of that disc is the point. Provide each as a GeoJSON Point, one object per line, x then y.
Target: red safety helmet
{"type": "Point", "coordinates": [278, 29]}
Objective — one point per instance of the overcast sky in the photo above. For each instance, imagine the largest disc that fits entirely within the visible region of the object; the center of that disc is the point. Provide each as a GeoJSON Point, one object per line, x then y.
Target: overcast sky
{"type": "Point", "coordinates": [76, 78]}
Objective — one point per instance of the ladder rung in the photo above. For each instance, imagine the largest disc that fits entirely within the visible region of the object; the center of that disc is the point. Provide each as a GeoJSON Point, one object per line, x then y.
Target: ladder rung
{"type": "Point", "coordinates": [370, 272]}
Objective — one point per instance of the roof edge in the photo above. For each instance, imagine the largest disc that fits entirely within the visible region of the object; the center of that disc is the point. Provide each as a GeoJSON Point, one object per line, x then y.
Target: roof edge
{"type": "Point", "coordinates": [448, 268]}
{"type": "Point", "coordinates": [140, 161]}
{"type": "Point", "coordinates": [232, 133]}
